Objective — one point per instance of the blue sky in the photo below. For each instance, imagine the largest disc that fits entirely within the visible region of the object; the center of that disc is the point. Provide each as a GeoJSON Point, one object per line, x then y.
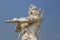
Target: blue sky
{"type": "Point", "coordinates": [50, 28]}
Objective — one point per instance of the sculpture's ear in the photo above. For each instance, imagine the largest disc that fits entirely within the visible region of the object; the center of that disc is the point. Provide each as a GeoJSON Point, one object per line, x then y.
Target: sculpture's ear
{"type": "Point", "coordinates": [18, 27]}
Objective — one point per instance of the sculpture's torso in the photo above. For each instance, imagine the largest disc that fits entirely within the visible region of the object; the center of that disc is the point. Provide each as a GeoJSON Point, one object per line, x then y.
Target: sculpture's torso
{"type": "Point", "coordinates": [32, 29]}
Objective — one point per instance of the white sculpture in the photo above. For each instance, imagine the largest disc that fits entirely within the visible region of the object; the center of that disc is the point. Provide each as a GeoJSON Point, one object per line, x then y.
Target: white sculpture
{"type": "Point", "coordinates": [29, 25]}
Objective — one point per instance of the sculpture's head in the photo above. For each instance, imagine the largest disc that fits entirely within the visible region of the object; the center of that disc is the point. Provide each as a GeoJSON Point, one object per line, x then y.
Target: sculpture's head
{"type": "Point", "coordinates": [34, 10]}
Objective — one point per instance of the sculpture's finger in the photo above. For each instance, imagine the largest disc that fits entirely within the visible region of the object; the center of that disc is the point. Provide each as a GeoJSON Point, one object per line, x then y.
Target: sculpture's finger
{"type": "Point", "coordinates": [11, 21]}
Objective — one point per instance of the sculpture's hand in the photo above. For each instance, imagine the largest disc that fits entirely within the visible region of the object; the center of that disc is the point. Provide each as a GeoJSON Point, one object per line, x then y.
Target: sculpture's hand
{"type": "Point", "coordinates": [14, 20]}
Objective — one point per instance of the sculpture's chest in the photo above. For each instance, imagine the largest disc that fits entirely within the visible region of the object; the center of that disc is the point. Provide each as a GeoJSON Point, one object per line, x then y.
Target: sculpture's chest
{"type": "Point", "coordinates": [34, 28]}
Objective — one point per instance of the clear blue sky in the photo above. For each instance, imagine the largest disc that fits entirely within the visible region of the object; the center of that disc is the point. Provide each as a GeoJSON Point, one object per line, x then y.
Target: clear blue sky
{"type": "Point", "coordinates": [50, 28]}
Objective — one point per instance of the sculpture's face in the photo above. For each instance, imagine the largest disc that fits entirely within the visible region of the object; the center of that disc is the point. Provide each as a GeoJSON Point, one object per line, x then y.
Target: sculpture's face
{"type": "Point", "coordinates": [33, 10]}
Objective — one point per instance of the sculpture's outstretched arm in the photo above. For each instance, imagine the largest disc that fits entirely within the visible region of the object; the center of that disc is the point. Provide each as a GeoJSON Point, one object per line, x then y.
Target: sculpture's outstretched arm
{"type": "Point", "coordinates": [15, 20]}
{"type": "Point", "coordinates": [23, 20]}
